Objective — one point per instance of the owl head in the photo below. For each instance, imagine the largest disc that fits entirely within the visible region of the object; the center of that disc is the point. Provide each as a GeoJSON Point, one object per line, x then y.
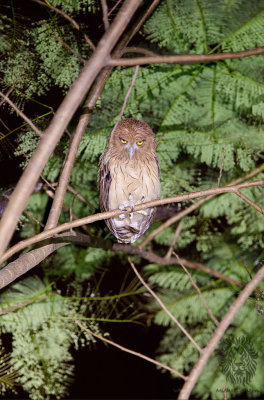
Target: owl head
{"type": "Point", "coordinates": [132, 139]}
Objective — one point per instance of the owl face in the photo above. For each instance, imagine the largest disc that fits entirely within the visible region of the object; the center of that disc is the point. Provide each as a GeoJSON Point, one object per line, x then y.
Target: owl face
{"type": "Point", "coordinates": [131, 144]}
{"type": "Point", "coordinates": [132, 137]}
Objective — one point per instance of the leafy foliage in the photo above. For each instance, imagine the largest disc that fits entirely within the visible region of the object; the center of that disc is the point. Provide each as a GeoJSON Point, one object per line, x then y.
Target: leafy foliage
{"type": "Point", "coordinates": [185, 304]}
{"type": "Point", "coordinates": [42, 334]}
{"type": "Point", "coordinates": [204, 116]}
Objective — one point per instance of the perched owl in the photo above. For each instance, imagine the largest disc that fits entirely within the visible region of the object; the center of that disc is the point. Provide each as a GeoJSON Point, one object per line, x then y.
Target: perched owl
{"type": "Point", "coordinates": [129, 174]}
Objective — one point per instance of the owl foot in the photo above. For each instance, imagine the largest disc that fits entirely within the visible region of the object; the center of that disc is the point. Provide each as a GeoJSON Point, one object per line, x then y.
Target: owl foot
{"type": "Point", "coordinates": [123, 207]}
{"type": "Point", "coordinates": [130, 203]}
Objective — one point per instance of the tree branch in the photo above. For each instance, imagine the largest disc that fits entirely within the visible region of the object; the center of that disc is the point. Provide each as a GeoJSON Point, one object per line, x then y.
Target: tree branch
{"type": "Point", "coordinates": [60, 121]}
{"type": "Point", "coordinates": [139, 50]}
{"type": "Point", "coordinates": [114, 7]}
{"type": "Point", "coordinates": [105, 14]}
{"type": "Point", "coordinates": [184, 58]}
{"type": "Point", "coordinates": [68, 18]}
{"type": "Point", "coordinates": [218, 334]}
{"type": "Point", "coordinates": [71, 50]}
{"type": "Point", "coordinates": [193, 207]}
{"type": "Point", "coordinates": [153, 294]}
{"type": "Point", "coordinates": [11, 309]}
{"type": "Point", "coordinates": [12, 88]}
{"type": "Point", "coordinates": [115, 213]}
{"type": "Point", "coordinates": [198, 291]}
{"type": "Point", "coordinates": [174, 240]}
{"type": "Point", "coordinates": [155, 259]}
{"type": "Point", "coordinates": [135, 353]}
{"type": "Point", "coordinates": [20, 266]}
{"type": "Point", "coordinates": [126, 98]}
{"type": "Point", "coordinates": [21, 114]}
{"type": "Point", "coordinates": [250, 202]}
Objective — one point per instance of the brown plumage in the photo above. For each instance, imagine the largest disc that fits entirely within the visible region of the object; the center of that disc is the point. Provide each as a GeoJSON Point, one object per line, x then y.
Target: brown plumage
{"type": "Point", "coordinates": [129, 174]}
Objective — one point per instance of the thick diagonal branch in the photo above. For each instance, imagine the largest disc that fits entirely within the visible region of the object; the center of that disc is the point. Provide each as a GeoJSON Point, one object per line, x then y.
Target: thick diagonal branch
{"type": "Point", "coordinates": [60, 121]}
{"type": "Point", "coordinates": [85, 118]}
{"type": "Point", "coordinates": [218, 334]}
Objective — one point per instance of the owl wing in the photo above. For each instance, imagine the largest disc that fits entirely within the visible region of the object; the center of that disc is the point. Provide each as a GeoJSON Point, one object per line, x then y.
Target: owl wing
{"type": "Point", "coordinates": [103, 183]}
{"type": "Point", "coordinates": [158, 165]}
{"type": "Point", "coordinates": [104, 180]}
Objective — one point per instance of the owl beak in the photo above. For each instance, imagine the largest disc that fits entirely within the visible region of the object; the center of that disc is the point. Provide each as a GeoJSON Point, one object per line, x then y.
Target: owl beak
{"type": "Point", "coordinates": [131, 151]}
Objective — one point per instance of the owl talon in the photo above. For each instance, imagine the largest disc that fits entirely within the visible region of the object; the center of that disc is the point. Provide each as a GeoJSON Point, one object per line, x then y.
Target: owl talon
{"type": "Point", "coordinates": [143, 212]}
{"type": "Point", "coordinates": [123, 206]}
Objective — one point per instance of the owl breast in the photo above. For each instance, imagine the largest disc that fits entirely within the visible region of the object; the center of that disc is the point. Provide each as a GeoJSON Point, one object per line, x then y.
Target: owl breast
{"type": "Point", "coordinates": [131, 183]}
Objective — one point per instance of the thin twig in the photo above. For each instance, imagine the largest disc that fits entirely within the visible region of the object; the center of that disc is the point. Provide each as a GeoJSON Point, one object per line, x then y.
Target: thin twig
{"type": "Point", "coordinates": [55, 211]}
{"type": "Point", "coordinates": [113, 8]}
{"type": "Point", "coordinates": [105, 14]}
{"type": "Point", "coordinates": [218, 334]}
{"type": "Point", "coordinates": [75, 192]}
{"type": "Point", "coordinates": [172, 220]}
{"type": "Point", "coordinates": [80, 196]}
{"type": "Point", "coordinates": [250, 202]}
{"type": "Point", "coordinates": [175, 238]}
{"type": "Point", "coordinates": [126, 98]}
{"type": "Point", "coordinates": [153, 294]}
{"type": "Point", "coordinates": [221, 168]}
{"type": "Point", "coordinates": [13, 86]}
{"type": "Point", "coordinates": [246, 268]}
{"type": "Point", "coordinates": [259, 293]}
{"type": "Point", "coordinates": [22, 115]}
{"type": "Point", "coordinates": [135, 353]}
{"type": "Point", "coordinates": [28, 302]}
{"type": "Point", "coordinates": [139, 50]}
{"type": "Point", "coordinates": [69, 48]}
{"type": "Point", "coordinates": [33, 218]}
{"type": "Point", "coordinates": [225, 393]}
{"type": "Point", "coordinates": [198, 290]}
{"type": "Point", "coordinates": [28, 214]}
{"type": "Point", "coordinates": [66, 208]}
{"type": "Point", "coordinates": [141, 20]}
{"type": "Point", "coordinates": [2, 122]}
{"type": "Point", "coordinates": [70, 210]}
{"type": "Point", "coordinates": [185, 58]}
{"type": "Point", "coordinates": [115, 213]}
{"type": "Point", "coordinates": [66, 16]}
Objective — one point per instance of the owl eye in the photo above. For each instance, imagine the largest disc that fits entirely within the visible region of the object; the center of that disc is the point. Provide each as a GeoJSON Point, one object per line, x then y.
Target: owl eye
{"type": "Point", "coordinates": [140, 143]}
{"type": "Point", "coordinates": [123, 141]}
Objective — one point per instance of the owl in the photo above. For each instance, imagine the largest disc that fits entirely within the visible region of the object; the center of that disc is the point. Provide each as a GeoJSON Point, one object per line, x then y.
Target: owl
{"type": "Point", "coordinates": [129, 174]}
